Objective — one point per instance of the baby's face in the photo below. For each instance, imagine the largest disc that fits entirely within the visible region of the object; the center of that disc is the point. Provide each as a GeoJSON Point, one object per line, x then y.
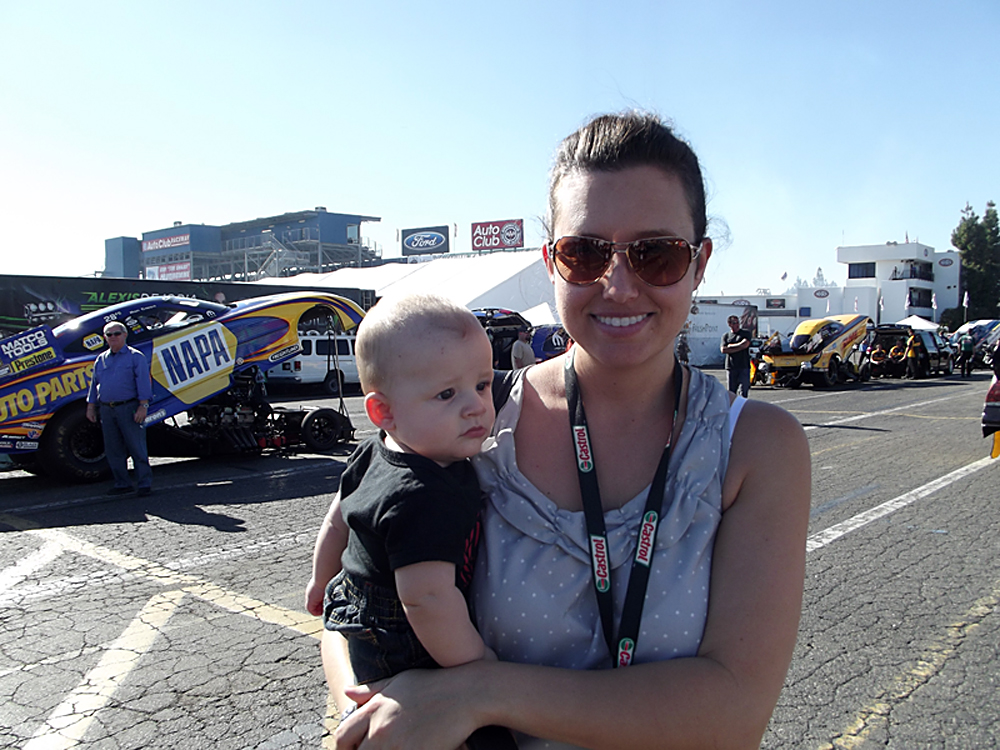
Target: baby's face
{"type": "Point", "coordinates": [442, 404]}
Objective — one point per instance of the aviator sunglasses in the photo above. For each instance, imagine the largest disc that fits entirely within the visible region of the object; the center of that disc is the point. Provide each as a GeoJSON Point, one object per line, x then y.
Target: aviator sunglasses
{"type": "Point", "coordinates": [658, 261]}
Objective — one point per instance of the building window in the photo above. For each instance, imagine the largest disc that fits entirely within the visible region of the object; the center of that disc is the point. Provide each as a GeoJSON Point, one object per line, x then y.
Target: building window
{"type": "Point", "coordinates": [920, 297]}
{"type": "Point", "coordinates": [861, 270]}
{"type": "Point", "coordinates": [353, 234]}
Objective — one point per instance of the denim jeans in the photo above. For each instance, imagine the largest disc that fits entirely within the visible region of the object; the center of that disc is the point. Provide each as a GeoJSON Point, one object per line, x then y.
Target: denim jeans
{"type": "Point", "coordinates": [739, 381]}
{"type": "Point", "coordinates": [380, 641]}
{"type": "Point", "coordinates": [124, 438]}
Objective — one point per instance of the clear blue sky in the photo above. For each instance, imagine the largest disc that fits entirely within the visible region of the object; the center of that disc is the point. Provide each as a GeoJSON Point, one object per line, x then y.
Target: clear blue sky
{"type": "Point", "coordinates": [818, 124]}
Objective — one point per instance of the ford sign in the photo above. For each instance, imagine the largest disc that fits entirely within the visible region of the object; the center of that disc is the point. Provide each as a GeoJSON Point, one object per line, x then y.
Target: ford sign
{"type": "Point", "coordinates": [424, 242]}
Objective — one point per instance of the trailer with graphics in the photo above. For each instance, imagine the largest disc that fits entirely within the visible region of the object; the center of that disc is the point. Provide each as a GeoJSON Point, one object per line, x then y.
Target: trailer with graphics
{"type": "Point", "coordinates": [207, 364]}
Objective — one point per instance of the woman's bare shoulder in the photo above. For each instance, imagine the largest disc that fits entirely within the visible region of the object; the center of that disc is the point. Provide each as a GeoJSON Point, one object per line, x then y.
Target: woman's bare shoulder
{"type": "Point", "coordinates": [769, 449]}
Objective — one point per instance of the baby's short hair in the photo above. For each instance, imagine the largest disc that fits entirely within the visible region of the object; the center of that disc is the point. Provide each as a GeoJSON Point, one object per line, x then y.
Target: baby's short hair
{"type": "Point", "coordinates": [397, 320]}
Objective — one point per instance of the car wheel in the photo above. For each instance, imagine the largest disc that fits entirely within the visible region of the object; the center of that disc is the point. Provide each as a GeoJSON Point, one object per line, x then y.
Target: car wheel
{"type": "Point", "coordinates": [72, 446]}
{"type": "Point", "coordinates": [333, 382]}
{"type": "Point", "coordinates": [828, 377]}
{"type": "Point", "coordinates": [322, 429]}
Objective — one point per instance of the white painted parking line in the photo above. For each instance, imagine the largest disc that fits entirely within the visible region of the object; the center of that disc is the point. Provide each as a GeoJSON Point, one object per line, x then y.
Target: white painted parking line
{"type": "Point", "coordinates": [823, 538]}
{"type": "Point", "coordinates": [69, 722]}
{"type": "Point", "coordinates": [15, 574]}
{"type": "Point", "coordinates": [869, 415]}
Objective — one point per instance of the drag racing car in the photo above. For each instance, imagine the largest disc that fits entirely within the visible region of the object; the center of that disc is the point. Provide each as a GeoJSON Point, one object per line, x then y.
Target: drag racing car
{"type": "Point", "coordinates": [822, 351]}
{"type": "Point", "coordinates": [207, 363]}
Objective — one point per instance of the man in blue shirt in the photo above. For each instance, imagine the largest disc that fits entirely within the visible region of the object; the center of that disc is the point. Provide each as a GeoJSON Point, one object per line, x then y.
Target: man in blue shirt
{"type": "Point", "coordinates": [121, 387]}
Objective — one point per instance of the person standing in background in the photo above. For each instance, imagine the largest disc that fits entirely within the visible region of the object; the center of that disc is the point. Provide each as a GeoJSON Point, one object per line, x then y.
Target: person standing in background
{"type": "Point", "coordinates": [121, 387]}
{"type": "Point", "coordinates": [521, 354]}
{"type": "Point", "coordinates": [736, 346]}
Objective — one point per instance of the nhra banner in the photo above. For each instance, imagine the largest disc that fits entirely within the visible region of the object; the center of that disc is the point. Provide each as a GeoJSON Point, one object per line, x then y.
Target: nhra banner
{"type": "Point", "coordinates": [29, 350]}
{"type": "Point", "coordinates": [497, 235]}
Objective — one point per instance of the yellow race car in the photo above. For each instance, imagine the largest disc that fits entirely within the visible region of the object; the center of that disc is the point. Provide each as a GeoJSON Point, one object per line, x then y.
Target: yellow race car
{"type": "Point", "coordinates": [823, 351]}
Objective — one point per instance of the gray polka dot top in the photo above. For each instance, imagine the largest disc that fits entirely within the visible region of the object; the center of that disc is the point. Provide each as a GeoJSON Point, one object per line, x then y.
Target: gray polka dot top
{"type": "Point", "coordinates": [532, 593]}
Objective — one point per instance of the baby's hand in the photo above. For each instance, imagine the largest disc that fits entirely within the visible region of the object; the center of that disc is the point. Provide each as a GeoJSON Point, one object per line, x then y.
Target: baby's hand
{"type": "Point", "coordinates": [314, 598]}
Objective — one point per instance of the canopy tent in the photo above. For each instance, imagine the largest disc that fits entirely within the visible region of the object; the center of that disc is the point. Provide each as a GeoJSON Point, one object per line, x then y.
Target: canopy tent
{"type": "Point", "coordinates": [917, 323]}
{"type": "Point", "coordinates": [513, 280]}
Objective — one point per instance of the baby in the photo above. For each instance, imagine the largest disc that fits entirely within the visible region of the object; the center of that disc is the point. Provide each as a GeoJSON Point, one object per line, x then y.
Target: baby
{"type": "Point", "coordinates": [396, 549]}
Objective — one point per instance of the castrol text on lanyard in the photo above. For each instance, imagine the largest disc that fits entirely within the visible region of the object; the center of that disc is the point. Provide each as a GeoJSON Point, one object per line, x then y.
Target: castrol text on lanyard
{"type": "Point", "coordinates": [623, 650]}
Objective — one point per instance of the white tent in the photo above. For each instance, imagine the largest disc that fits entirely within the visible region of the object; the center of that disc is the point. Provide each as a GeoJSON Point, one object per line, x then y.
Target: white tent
{"type": "Point", "coordinates": [514, 280]}
{"type": "Point", "coordinates": [917, 323]}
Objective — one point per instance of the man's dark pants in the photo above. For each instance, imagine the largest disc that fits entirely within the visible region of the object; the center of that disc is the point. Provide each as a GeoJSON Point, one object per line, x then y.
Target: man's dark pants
{"type": "Point", "coordinates": [124, 438]}
{"type": "Point", "coordinates": [739, 381]}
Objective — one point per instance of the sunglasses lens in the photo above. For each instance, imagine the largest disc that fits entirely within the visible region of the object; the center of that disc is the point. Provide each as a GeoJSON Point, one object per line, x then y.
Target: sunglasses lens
{"type": "Point", "coordinates": [662, 261]}
{"type": "Point", "coordinates": [581, 260]}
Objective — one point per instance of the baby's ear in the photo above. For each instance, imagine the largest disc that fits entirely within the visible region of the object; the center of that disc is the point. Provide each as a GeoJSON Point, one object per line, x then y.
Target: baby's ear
{"type": "Point", "coordinates": [378, 410]}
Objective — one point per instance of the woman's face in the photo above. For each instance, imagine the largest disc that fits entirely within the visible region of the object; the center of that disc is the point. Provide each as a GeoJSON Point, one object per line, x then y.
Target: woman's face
{"type": "Point", "coordinates": [620, 320]}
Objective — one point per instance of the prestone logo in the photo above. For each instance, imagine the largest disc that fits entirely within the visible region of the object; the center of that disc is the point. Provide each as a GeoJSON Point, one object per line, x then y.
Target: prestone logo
{"type": "Point", "coordinates": [584, 459]}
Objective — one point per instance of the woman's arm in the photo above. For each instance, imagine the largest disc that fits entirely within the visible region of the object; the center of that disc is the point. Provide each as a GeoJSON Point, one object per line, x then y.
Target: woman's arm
{"type": "Point", "coordinates": [723, 697]}
{"type": "Point", "coordinates": [330, 545]}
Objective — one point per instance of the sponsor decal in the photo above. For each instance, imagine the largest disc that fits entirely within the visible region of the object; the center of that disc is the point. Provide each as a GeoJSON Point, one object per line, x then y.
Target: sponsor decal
{"type": "Point", "coordinates": [194, 364]}
{"type": "Point", "coordinates": [774, 303]}
{"type": "Point", "coordinates": [6, 445]}
{"type": "Point", "coordinates": [156, 416]}
{"type": "Point", "coordinates": [945, 262]}
{"type": "Point", "coordinates": [599, 558]}
{"type": "Point", "coordinates": [288, 351]}
{"type": "Point", "coordinates": [26, 445]}
{"type": "Point", "coordinates": [93, 342]}
{"type": "Point", "coordinates": [45, 391]}
{"type": "Point", "coordinates": [584, 458]}
{"type": "Point", "coordinates": [644, 550]}
{"type": "Point", "coordinates": [33, 360]}
{"type": "Point", "coordinates": [821, 293]}
{"type": "Point", "coordinates": [626, 649]}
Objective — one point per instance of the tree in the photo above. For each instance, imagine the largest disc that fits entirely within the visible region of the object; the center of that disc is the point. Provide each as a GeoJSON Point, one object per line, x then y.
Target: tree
{"type": "Point", "coordinates": [978, 242]}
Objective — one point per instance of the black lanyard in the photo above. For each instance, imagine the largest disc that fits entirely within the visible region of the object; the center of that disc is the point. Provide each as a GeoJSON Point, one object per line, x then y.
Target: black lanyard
{"type": "Point", "coordinates": [623, 652]}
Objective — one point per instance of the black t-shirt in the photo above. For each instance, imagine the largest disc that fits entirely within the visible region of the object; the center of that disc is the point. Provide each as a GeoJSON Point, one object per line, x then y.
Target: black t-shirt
{"type": "Point", "coordinates": [738, 360]}
{"type": "Point", "coordinates": [403, 509]}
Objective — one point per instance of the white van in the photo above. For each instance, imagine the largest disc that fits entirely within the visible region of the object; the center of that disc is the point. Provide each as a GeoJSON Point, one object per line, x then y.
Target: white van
{"type": "Point", "coordinates": [320, 362]}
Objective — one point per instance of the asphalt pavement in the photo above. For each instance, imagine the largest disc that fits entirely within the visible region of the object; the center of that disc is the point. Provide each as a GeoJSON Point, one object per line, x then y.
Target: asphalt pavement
{"type": "Point", "coordinates": [176, 620]}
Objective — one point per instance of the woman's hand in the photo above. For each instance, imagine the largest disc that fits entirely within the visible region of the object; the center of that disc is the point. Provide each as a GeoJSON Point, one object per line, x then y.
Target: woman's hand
{"type": "Point", "coordinates": [415, 709]}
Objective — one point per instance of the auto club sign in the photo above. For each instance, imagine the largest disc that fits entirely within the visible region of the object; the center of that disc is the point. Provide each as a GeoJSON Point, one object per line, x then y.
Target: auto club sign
{"type": "Point", "coordinates": [497, 235]}
{"type": "Point", "coordinates": [425, 241]}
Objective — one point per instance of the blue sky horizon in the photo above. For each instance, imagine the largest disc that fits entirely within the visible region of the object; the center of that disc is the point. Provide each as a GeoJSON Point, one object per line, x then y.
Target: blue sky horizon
{"type": "Point", "coordinates": [817, 125]}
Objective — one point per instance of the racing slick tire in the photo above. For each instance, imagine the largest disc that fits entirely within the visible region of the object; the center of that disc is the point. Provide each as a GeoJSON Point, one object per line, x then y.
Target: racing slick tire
{"type": "Point", "coordinates": [828, 377]}
{"type": "Point", "coordinates": [322, 429]}
{"type": "Point", "coordinates": [72, 446]}
{"type": "Point", "coordinates": [333, 383]}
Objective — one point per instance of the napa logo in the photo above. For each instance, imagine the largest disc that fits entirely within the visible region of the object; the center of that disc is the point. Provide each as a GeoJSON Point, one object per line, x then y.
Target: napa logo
{"type": "Point", "coordinates": [193, 365]}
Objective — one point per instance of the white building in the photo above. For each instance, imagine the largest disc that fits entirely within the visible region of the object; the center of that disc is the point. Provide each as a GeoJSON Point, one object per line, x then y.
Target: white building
{"type": "Point", "coordinates": [885, 282]}
{"type": "Point", "coordinates": [910, 278]}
